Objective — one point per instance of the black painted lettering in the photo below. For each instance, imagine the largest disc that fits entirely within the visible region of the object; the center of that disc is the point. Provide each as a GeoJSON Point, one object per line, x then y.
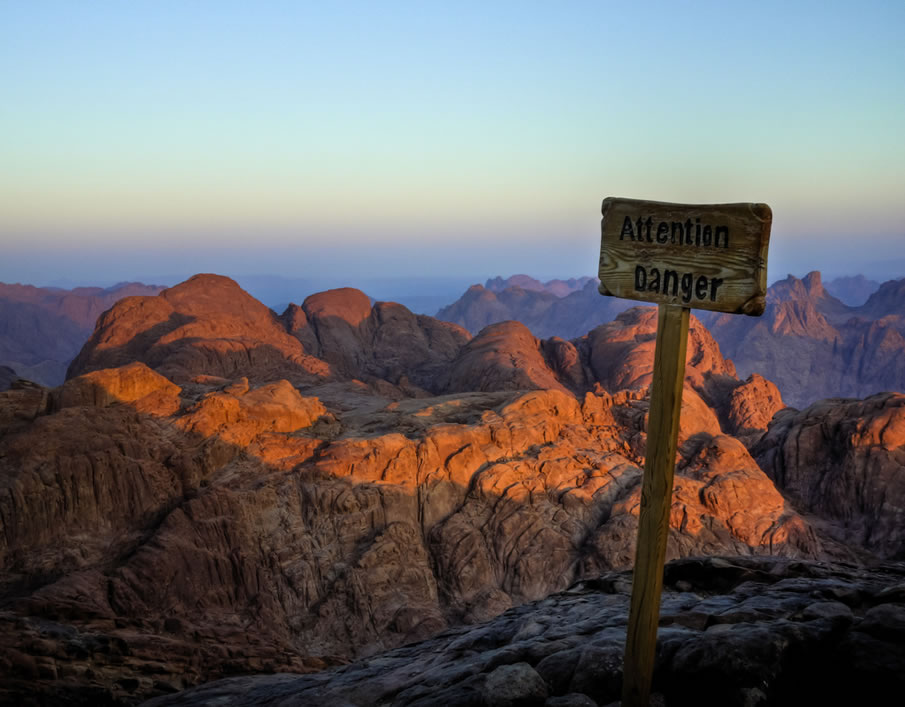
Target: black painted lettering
{"type": "Point", "coordinates": [697, 232]}
{"type": "Point", "coordinates": [640, 278]}
{"type": "Point", "coordinates": [686, 286]}
{"type": "Point", "coordinates": [677, 226]}
{"type": "Point", "coordinates": [688, 225]}
{"type": "Point", "coordinates": [724, 230]}
{"type": "Point", "coordinates": [667, 276]}
{"type": "Point", "coordinates": [662, 232]}
{"type": "Point", "coordinates": [700, 287]}
{"type": "Point", "coordinates": [627, 229]}
{"type": "Point", "coordinates": [654, 284]}
{"type": "Point", "coordinates": [640, 224]}
{"type": "Point", "coordinates": [714, 284]}
{"type": "Point", "coordinates": [648, 223]}
{"type": "Point", "coordinates": [707, 236]}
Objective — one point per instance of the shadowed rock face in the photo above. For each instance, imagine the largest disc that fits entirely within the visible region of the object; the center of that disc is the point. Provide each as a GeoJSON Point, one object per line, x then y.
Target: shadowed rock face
{"type": "Point", "coordinates": [845, 461]}
{"type": "Point", "coordinates": [191, 514]}
{"type": "Point", "coordinates": [386, 342]}
{"type": "Point", "coordinates": [505, 356]}
{"type": "Point", "coordinates": [733, 632]}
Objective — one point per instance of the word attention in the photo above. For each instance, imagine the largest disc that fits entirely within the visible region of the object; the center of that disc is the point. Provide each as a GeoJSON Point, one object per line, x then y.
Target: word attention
{"type": "Point", "coordinates": [675, 232]}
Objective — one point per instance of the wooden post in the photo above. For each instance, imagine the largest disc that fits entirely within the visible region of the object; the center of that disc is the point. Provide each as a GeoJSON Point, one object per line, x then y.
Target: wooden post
{"type": "Point", "coordinates": [656, 500]}
{"type": "Point", "coordinates": [708, 256]}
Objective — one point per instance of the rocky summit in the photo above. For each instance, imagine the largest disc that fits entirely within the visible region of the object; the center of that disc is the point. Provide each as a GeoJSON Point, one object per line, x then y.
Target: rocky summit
{"type": "Point", "coordinates": [220, 490]}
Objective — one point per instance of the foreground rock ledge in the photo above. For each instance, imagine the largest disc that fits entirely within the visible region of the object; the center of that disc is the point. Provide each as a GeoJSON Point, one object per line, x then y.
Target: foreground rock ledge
{"type": "Point", "coordinates": [733, 631]}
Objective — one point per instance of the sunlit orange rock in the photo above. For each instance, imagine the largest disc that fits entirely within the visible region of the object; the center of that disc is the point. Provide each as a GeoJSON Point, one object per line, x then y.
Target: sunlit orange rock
{"type": "Point", "coordinates": [135, 384]}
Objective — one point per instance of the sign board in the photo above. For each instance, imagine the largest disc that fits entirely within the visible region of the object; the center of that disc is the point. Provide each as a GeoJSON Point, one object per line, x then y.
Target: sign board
{"type": "Point", "coordinates": [705, 256]}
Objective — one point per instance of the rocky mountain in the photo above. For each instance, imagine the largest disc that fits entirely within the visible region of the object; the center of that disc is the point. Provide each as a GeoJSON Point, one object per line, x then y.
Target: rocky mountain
{"type": "Point", "coordinates": [544, 312]}
{"type": "Point", "coordinates": [809, 342]}
{"type": "Point", "coordinates": [43, 328]}
{"type": "Point", "coordinates": [853, 290]}
{"type": "Point", "coordinates": [560, 288]}
{"type": "Point", "coordinates": [218, 490]}
{"type": "Point", "coordinates": [814, 346]}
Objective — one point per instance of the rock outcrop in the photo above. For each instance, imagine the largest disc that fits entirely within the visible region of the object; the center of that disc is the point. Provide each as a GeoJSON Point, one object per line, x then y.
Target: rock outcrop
{"type": "Point", "coordinates": [613, 357]}
{"type": "Point", "coordinates": [505, 356]}
{"type": "Point", "coordinates": [206, 325]}
{"type": "Point", "coordinates": [844, 460]}
{"type": "Point", "coordinates": [384, 341]}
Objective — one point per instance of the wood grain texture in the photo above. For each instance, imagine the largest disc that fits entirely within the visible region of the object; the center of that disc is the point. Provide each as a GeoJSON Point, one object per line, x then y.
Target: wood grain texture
{"type": "Point", "coordinates": [656, 499]}
{"type": "Point", "coordinates": [715, 254]}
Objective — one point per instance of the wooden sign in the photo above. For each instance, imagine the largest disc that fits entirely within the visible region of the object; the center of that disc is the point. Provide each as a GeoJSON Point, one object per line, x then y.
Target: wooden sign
{"type": "Point", "coordinates": [678, 256]}
{"type": "Point", "coordinates": [691, 255]}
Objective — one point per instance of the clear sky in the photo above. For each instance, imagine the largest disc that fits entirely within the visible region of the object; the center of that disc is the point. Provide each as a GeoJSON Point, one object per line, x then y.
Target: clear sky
{"type": "Point", "coordinates": [358, 139]}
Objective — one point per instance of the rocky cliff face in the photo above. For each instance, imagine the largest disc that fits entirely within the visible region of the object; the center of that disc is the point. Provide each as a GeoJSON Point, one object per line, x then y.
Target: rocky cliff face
{"type": "Point", "coordinates": [814, 346]}
{"type": "Point", "coordinates": [217, 489]}
{"type": "Point", "coordinates": [43, 328]}
{"type": "Point", "coordinates": [844, 460]}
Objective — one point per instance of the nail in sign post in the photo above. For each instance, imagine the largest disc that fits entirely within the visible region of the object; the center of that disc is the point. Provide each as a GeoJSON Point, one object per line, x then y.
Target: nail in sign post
{"type": "Point", "coordinates": [678, 256]}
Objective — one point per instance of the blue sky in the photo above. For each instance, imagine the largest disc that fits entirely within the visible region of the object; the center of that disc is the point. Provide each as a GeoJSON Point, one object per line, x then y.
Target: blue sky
{"type": "Point", "coordinates": [350, 140]}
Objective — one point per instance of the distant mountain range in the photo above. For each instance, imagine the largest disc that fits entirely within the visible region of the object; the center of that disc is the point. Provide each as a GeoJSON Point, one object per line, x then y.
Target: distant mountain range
{"type": "Point", "coordinates": [853, 290]}
{"type": "Point", "coordinates": [815, 341]}
{"type": "Point", "coordinates": [543, 311]}
{"type": "Point", "coordinates": [43, 328]}
{"type": "Point", "coordinates": [811, 343]}
{"type": "Point", "coordinates": [560, 288]}
{"type": "Point", "coordinates": [813, 346]}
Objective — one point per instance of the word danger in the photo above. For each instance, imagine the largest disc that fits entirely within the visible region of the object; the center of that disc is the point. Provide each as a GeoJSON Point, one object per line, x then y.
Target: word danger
{"type": "Point", "coordinates": [671, 283]}
{"type": "Point", "coordinates": [675, 232]}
